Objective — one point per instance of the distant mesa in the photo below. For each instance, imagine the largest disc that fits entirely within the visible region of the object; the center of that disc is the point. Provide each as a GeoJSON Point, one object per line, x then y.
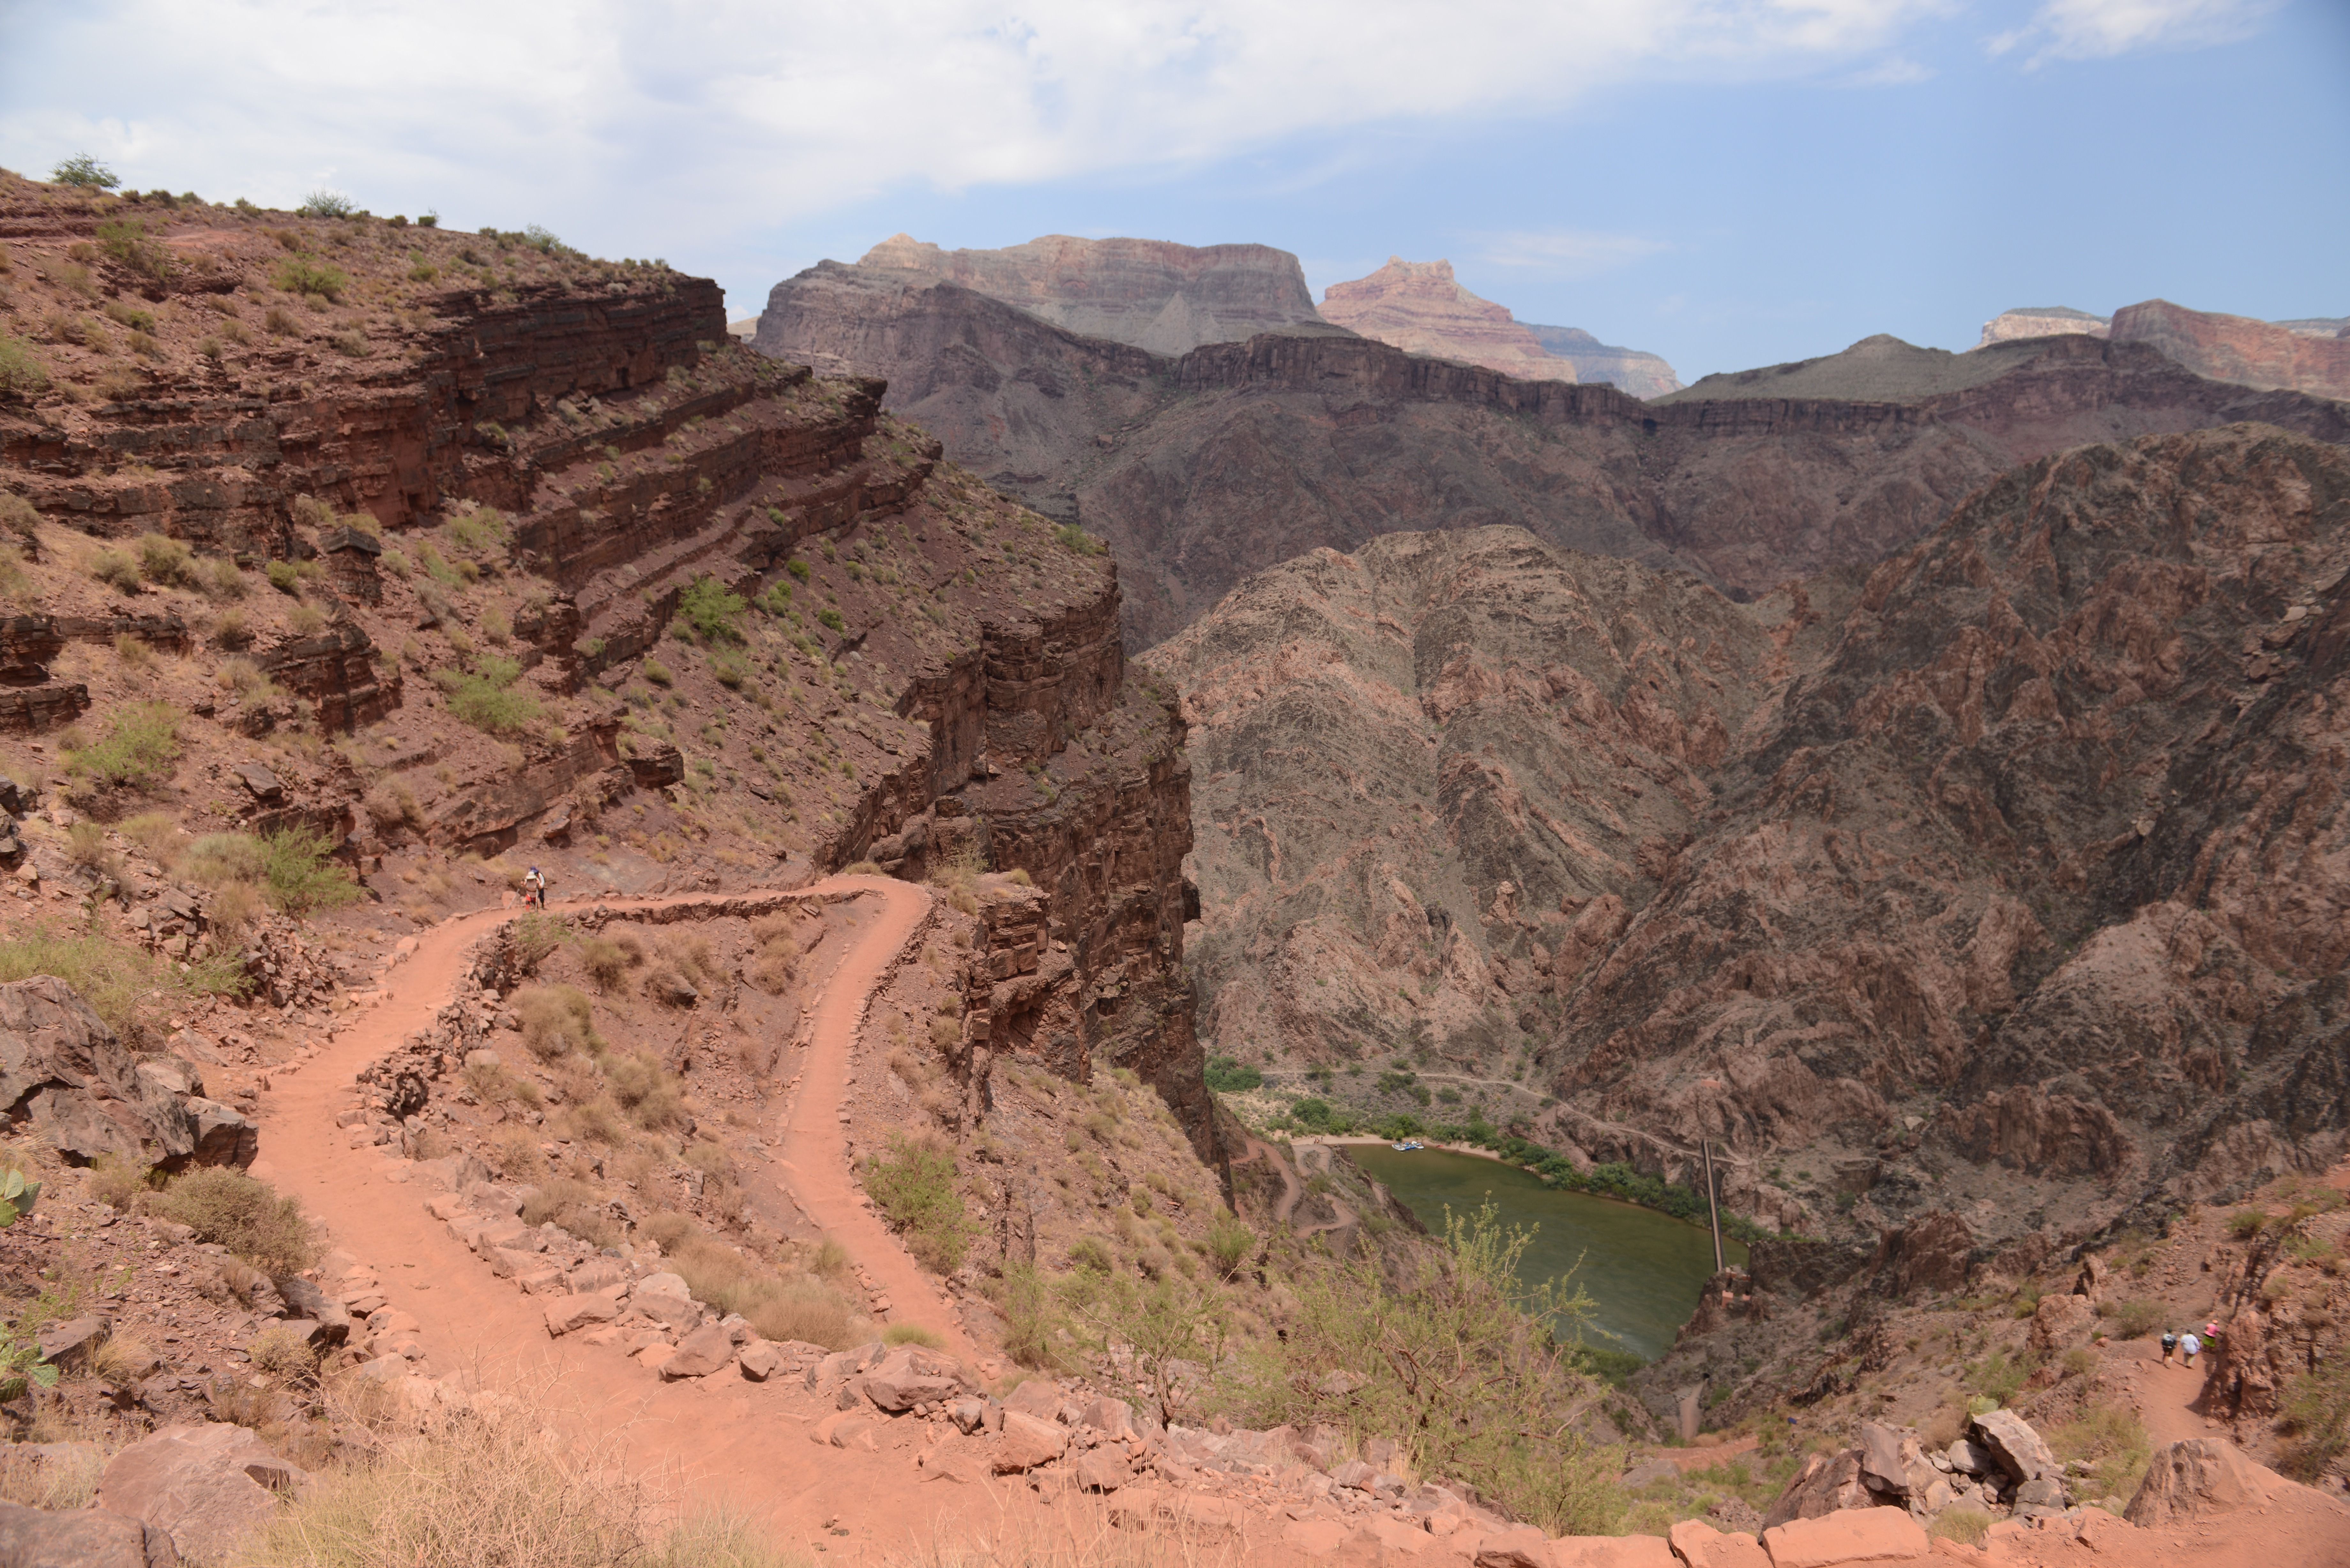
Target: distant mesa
{"type": "Point", "coordinates": [2272, 356]}
{"type": "Point", "coordinates": [1879, 369]}
{"type": "Point", "coordinates": [2041, 321]}
{"type": "Point", "coordinates": [1635, 370]}
{"type": "Point", "coordinates": [1421, 308]}
{"type": "Point", "coordinates": [1149, 294]}
{"type": "Point", "coordinates": [2309, 355]}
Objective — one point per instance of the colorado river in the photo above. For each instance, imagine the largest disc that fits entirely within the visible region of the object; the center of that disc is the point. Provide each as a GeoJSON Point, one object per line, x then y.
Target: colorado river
{"type": "Point", "coordinates": [1644, 1270]}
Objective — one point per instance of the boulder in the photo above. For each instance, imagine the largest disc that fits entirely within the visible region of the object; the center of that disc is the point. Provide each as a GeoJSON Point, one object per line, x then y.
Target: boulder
{"type": "Point", "coordinates": [1028, 1441]}
{"type": "Point", "coordinates": [2013, 1446]}
{"type": "Point", "coordinates": [564, 1314]}
{"type": "Point", "coordinates": [704, 1351]}
{"type": "Point", "coordinates": [1104, 1469]}
{"type": "Point", "coordinates": [1038, 1397]}
{"type": "Point", "coordinates": [968, 1415]}
{"type": "Point", "coordinates": [911, 1376]}
{"type": "Point", "coordinates": [673, 1310]}
{"type": "Point", "coordinates": [64, 1070]}
{"type": "Point", "coordinates": [2198, 1479]}
{"type": "Point", "coordinates": [1514, 1546]}
{"type": "Point", "coordinates": [1828, 1483]}
{"type": "Point", "coordinates": [1969, 1459]}
{"type": "Point", "coordinates": [306, 1300]}
{"type": "Point", "coordinates": [2061, 1322]}
{"type": "Point", "coordinates": [1848, 1537]}
{"type": "Point", "coordinates": [74, 1344]}
{"type": "Point", "coordinates": [205, 1486]}
{"type": "Point", "coordinates": [81, 1538]}
{"type": "Point", "coordinates": [1701, 1546]}
{"type": "Point", "coordinates": [263, 784]}
{"type": "Point", "coordinates": [1113, 1417]}
{"type": "Point", "coordinates": [760, 1360]}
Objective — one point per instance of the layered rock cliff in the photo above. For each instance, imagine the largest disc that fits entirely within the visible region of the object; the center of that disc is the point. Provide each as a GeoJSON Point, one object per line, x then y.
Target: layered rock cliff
{"type": "Point", "coordinates": [501, 523]}
{"type": "Point", "coordinates": [2239, 348]}
{"type": "Point", "coordinates": [2041, 321]}
{"type": "Point", "coordinates": [1418, 307]}
{"type": "Point", "coordinates": [1642, 374]}
{"type": "Point", "coordinates": [1202, 469]}
{"type": "Point", "coordinates": [2001, 883]}
{"type": "Point", "coordinates": [1152, 293]}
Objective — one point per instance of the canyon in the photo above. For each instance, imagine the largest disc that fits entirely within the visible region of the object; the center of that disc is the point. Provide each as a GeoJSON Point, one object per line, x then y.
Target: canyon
{"type": "Point", "coordinates": [1993, 888]}
{"type": "Point", "coordinates": [1201, 468]}
{"type": "Point", "coordinates": [2304, 355]}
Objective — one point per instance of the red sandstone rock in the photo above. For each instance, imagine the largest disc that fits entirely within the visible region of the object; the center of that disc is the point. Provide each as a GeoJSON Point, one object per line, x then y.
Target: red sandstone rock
{"type": "Point", "coordinates": [1699, 1546]}
{"type": "Point", "coordinates": [2239, 348]}
{"type": "Point", "coordinates": [1153, 294]}
{"type": "Point", "coordinates": [1850, 1537]}
{"type": "Point", "coordinates": [1026, 1442]}
{"type": "Point", "coordinates": [1418, 307]}
{"type": "Point", "coordinates": [1610, 1551]}
{"type": "Point", "coordinates": [2199, 1478]}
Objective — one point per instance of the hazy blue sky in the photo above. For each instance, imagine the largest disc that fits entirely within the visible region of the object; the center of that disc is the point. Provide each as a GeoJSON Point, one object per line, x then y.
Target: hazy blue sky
{"type": "Point", "coordinates": [1728, 183]}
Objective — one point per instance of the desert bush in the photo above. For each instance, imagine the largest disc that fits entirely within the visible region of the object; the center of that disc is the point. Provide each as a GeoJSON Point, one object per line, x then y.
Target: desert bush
{"type": "Point", "coordinates": [58, 1477]}
{"type": "Point", "coordinates": [2247, 1223]}
{"type": "Point", "coordinates": [477, 532]}
{"type": "Point", "coordinates": [2317, 1415]}
{"type": "Point", "coordinates": [23, 373]}
{"type": "Point", "coordinates": [1474, 1365]}
{"type": "Point", "coordinates": [391, 803]}
{"type": "Point", "coordinates": [1230, 1243]}
{"type": "Point", "coordinates": [243, 1214]}
{"type": "Point", "coordinates": [140, 745]}
{"type": "Point", "coordinates": [115, 569]}
{"type": "Point", "coordinates": [645, 1090]}
{"type": "Point", "coordinates": [303, 274]}
{"type": "Point", "coordinates": [283, 576]}
{"type": "Point", "coordinates": [156, 833]}
{"type": "Point", "coordinates": [604, 959]}
{"type": "Point", "coordinates": [291, 867]}
{"type": "Point", "coordinates": [121, 983]}
{"type": "Point", "coordinates": [713, 610]}
{"type": "Point", "coordinates": [1077, 541]}
{"type": "Point", "coordinates": [488, 698]}
{"type": "Point", "coordinates": [915, 1188]}
{"type": "Point", "coordinates": [231, 631]}
{"type": "Point", "coordinates": [555, 1021]}
{"type": "Point", "coordinates": [17, 516]}
{"type": "Point", "coordinates": [913, 1333]}
{"type": "Point", "coordinates": [326, 204]}
{"type": "Point", "coordinates": [2111, 1440]}
{"type": "Point", "coordinates": [305, 620]}
{"type": "Point", "coordinates": [282, 1353]}
{"type": "Point", "coordinates": [2132, 1319]}
{"type": "Point", "coordinates": [83, 172]}
{"type": "Point", "coordinates": [279, 322]}
{"type": "Point", "coordinates": [225, 579]}
{"type": "Point", "coordinates": [165, 561]}
{"type": "Point", "coordinates": [119, 1183]}
{"type": "Point", "coordinates": [533, 935]}
{"type": "Point", "coordinates": [659, 673]}
{"type": "Point", "coordinates": [1967, 1526]}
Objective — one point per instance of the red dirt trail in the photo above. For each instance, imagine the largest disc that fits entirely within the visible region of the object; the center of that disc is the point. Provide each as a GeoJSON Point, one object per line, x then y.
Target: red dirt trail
{"type": "Point", "coordinates": [727, 1441]}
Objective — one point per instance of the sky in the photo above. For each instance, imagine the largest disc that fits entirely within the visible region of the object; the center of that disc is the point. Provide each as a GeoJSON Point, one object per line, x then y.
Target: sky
{"type": "Point", "coordinates": [1726, 183]}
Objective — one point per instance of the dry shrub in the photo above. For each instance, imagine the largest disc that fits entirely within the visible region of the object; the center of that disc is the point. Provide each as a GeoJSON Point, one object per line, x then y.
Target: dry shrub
{"type": "Point", "coordinates": [777, 961]}
{"type": "Point", "coordinates": [61, 1478]}
{"type": "Point", "coordinates": [574, 1206]}
{"type": "Point", "coordinates": [158, 833]}
{"type": "Point", "coordinates": [597, 1121]}
{"type": "Point", "coordinates": [555, 1021]}
{"type": "Point", "coordinates": [645, 1089]}
{"type": "Point", "coordinates": [233, 908]}
{"type": "Point", "coordinates": [500, 1484]}
{"type": "Point", "coordinates": [631, 946]}
{"type": "Point", "coordinates": [604, 959]}
{"type": "Point", "coordinates": [243, 1214]}
{"type": "Point", "coordinates": [282, 1353]}
{"type": "Point", "coordinates": [392, 804]}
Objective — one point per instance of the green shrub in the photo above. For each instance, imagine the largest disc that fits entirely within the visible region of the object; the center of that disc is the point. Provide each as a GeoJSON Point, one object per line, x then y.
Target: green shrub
{"type": "Point", "coordinates": [140, 746]}
{"type": "Point", "coordinates": [298, 873]}
{"type": "Point", "coordinates": [120, 982]}
{"type": "Point", "coordinates": [23, 373]}
{"type": "Point", "coordinates": [659, 673]}
{"type": "Point", "coordinates": [1476, 1367]}
{"type": "Point", "coordinates": [302, 275]}
{"type": "Point", "coordinates": [242, 1214]}
{"type": "Point", "coordinates": [797, 568]}
{"type": "Point", "coordinates": [2318, 1414]}
{"type": "Point", "coordinates": [166, 560]}
{"type": "Point", "coordinates": [126, 239]}
{"type": "Point", "coordinates": [324, 203]}
{"type": "Point", "coordinates": [488, 698]}
{"type": "Point", "coordinates": [831, 617]}
{"type": "Point", "coordinates": [283, 576]}
{"type": "Point", "coordinates": [914, 1186]}
{"type": "Point", "coordinates": [1229, 1076]}
{"type": "Point", "coordinates": [1077, 540]}
{"type": "Point", "coordinates": [913, 1333]}
{"type": "Point", "coordinates": [713, 609]}
{"type": "Point", "coordinates": [1965, 1525]}
{"type": "Point", "coordinates": [2247, 1223]}
{"type": "Point", "coordinates": [86, 173]}
{"type": "Point", "coordinates": [115, 569]}
{"type": "Point", "coordinates": [2112, 1441]}
{"type": "Point", "coordinates": [478, 530]}
{"type": "Point", "coordinates": [2134, 1319]}
{"type": "Point", "coordinates": [536, 934]}
{"type": "Point", "coordinates": [1230, 1243]}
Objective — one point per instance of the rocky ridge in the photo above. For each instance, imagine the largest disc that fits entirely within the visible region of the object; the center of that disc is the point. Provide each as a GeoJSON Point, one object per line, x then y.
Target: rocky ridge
{"type": "Point", "coordinates": [1418, 307]}
{"type": "Point", "coordinates": [1155, 294]}
{"type": "Point", "coordinates": [1201, 470]}
{"type": "Point", "coordinates": [1642, 374]}
{"type": "Point", "coordinates": [1980, 875]}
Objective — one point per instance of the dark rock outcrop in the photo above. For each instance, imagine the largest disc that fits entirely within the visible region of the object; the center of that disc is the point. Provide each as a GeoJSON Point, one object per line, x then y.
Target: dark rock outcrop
{"type": "Point", "coordinates": [67, 1075]}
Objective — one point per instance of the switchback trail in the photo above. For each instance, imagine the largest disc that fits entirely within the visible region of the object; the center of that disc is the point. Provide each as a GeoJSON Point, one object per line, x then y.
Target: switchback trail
{"type": "Point", "coordinates": [701, 1437]}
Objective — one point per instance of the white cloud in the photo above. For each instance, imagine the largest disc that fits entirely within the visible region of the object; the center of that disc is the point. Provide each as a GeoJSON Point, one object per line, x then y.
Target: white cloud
{"type": "Point", "coordinates": [1562, 253]}
{"type": "Point", "coordinates": [1899, 70]}
{"type": "Point", "coordinates": [2099, 30]}
{"type": "Point", "coordinates": [605, 117]}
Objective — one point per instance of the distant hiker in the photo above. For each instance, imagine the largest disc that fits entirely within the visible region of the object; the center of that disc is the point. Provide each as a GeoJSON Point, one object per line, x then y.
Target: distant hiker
{"type": "Point", "coordinates": [2188, 1347]}
{"type": "Point", "coordinates": [2169, 1345]}
{"type": "Point", "coordinates": [534, 889]}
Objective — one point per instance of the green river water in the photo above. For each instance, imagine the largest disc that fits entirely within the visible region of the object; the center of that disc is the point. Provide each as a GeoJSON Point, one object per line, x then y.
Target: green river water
{"type": "Point", "coordinates": [1644, 1270]}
